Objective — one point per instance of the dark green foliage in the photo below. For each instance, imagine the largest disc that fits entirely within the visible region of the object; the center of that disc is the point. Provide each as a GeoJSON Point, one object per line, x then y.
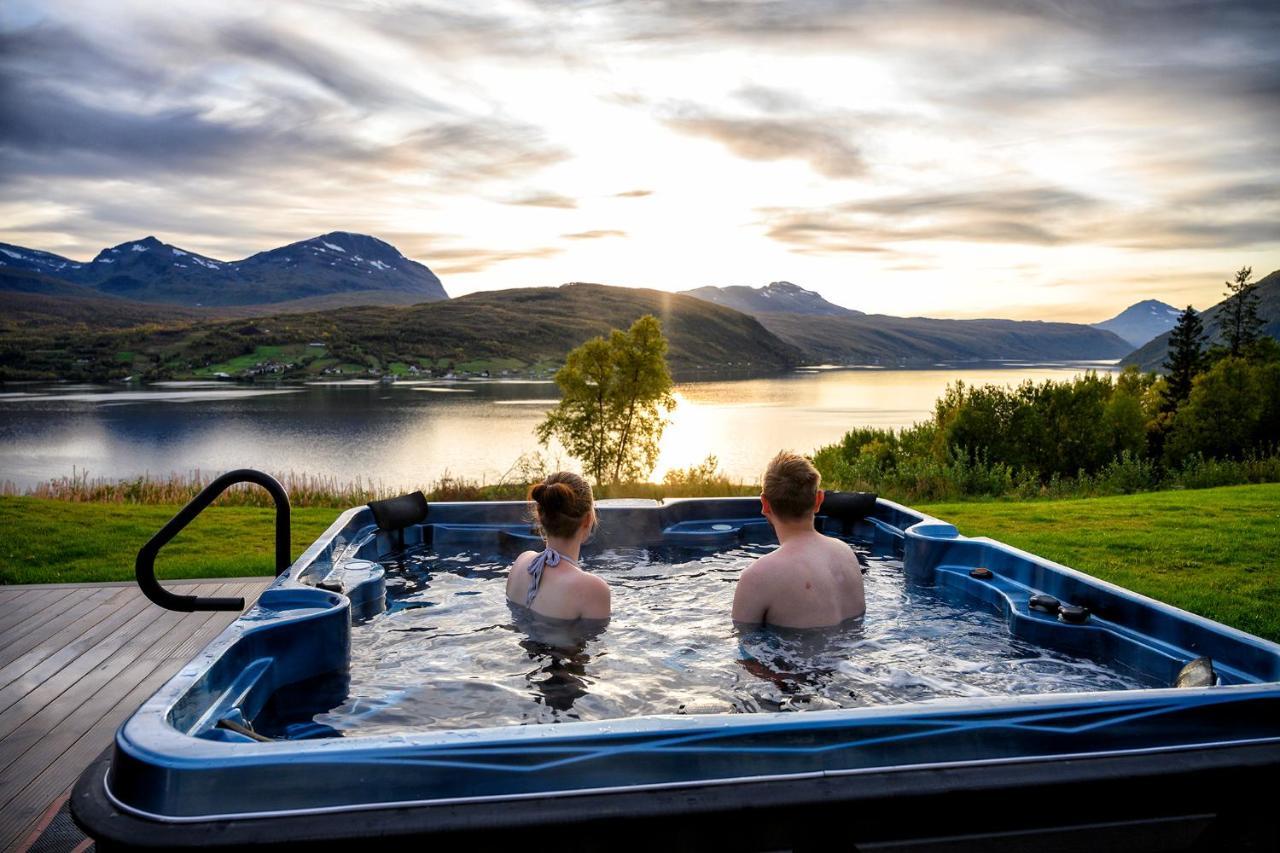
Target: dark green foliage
{"type": "Point", "coordinates": [1241, 322]}
{"type": "Point", "coordinates": [1233, 409]}
{"type": "Point", "coordinates": [1092, 435]}
{"type": "Point", "coordinates": [1051, 428]}
{"type": "Point", "coordinates": [1186, 358]}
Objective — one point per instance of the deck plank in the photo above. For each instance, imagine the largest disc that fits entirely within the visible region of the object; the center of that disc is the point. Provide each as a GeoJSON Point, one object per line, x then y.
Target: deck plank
{"type": "Point", "coordinates": [46, 635]}
{"type": "Point", "coordinates": [45, 707]}
{"type": "Point", "coordinates": [78, 723]}
{"type": "Point", "coordinates": [63, 720]}
{"type": "Point", "coordinates": [31, 690]}
{"type": "Point", "coordinates": [13, 623]}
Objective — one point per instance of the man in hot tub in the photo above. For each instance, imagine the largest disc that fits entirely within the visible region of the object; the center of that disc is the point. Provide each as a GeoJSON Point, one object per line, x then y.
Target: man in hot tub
{"type": "Point", "coordinates": [812, 580]}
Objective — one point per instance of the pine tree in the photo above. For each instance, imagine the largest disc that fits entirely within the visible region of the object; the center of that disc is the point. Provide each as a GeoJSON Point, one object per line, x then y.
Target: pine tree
{"type": "Point", "coordinates": [1240, 320]}
{"type": "Point", "coordinates": [1185, 358]}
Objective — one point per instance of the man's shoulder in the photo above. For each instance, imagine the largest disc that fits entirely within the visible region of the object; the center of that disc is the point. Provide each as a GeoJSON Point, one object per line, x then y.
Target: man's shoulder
{"type": "Point", "coordinates": [766, 566]}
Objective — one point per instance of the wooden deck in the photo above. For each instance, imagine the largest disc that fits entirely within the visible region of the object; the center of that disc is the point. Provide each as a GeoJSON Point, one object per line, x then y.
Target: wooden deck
{"type": "Point", "coordinates": [75, 660]}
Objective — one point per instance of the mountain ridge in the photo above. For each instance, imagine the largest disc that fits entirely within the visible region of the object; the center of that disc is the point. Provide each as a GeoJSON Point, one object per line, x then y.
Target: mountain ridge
{"type": "Point", "coordinates": [773, 298]}
{"type": "Point", "coordinates": [150, 270]}
{"type": "Point", "coordinates": [830, 333]}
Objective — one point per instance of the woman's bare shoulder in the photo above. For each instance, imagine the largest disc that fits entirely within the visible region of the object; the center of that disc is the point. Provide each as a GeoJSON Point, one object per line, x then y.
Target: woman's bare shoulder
{"type": "Point", "coordinates": [524, 559]}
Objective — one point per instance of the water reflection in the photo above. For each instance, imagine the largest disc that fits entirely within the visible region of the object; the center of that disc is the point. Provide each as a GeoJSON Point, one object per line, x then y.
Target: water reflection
{"type": "Point", "coordinates": [402, 436]}
{"type": "Point", "coordinates": [559, 649]}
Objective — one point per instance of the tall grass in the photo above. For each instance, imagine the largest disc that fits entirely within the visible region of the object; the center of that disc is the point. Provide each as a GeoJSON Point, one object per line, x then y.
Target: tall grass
{"type": "Point", "coordinates": [315, 490]}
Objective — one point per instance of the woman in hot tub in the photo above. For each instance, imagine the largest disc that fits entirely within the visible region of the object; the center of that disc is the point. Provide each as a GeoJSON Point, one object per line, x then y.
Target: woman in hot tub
{"type": "Point", "coordinates": [550, 582]}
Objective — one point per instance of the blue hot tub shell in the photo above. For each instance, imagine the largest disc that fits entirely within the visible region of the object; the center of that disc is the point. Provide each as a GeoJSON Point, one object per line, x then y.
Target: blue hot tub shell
{"type": "Point", "coordinates": [174, 770]}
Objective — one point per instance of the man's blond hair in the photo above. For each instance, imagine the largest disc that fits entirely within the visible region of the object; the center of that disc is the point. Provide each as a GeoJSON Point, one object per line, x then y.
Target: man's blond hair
{"type": "Point", "coordinates": [791, 485]}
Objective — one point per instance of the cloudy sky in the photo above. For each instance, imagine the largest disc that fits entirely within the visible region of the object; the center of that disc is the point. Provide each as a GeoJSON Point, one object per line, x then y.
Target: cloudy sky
{"type": "Point", "coordinates": [1040, 159]}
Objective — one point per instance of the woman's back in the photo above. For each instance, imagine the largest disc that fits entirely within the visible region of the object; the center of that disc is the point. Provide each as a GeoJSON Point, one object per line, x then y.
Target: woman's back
{"type": "Point", "coordinates": [563, 590]}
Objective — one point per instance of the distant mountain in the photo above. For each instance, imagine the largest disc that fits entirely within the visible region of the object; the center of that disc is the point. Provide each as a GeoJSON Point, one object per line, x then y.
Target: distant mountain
{"type": "Point", "coordinates": [914, 341]}
{"type": "Point", "coordinates": [775, 297]}
{"type": "Point", "coordinates": [1151, 355]}
{"type": "Point", "coordinates": [1142, 321]}
{"type": "Point", "coordinates": [830, 333]}
{"type": "Point", "coordinates": [32, 260]}
{"type": "Point", "coordinates": [491, 330]}
{"type": "Point", "coordinates": [149, 270]}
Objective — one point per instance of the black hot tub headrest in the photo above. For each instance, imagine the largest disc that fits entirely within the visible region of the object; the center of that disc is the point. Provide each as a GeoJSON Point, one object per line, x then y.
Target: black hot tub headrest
{"type": "Point", "coordinates": [848, 506]}
{"type": "Point", "coordinates": [399, 513]}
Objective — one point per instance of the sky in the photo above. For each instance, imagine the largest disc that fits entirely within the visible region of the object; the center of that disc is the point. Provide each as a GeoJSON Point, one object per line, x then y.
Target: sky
{"type": "Point", "coordinates": [1052, 160]}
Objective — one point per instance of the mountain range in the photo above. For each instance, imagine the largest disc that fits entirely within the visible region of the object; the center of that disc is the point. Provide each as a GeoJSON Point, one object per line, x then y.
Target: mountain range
{"type": "Point", "coordinates": [1142, 321]}
{"type": "Point", "coordinates": [147, 307]}
{"type": "Point", "coordinates": [1151, 355]}
{"type": "Point", "coordinates": [830, 333]}
{"type": "Point", "coordinates": [778, 297]}
{"type": "Point", "coordinates": [149, 270]}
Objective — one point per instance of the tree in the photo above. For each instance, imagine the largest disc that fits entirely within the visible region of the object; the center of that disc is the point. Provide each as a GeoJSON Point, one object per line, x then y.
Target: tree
{"type": "Point", "coordinates": [614, 396]}
{"type": "Point", "coordinates": [1185, 359]}
{"type": "Point", "coordinates": [1240, 320]}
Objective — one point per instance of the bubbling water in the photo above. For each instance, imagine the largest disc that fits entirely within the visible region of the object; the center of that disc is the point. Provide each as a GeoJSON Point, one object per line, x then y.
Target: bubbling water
{"type": "Point", "coordinates": [450, 652]}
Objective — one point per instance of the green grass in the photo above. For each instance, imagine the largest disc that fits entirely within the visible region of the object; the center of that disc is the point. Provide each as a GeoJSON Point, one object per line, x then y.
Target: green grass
{"type": "Point", "coordinates": [244, 362]}
{"type": "Point", "coordinates": [1215, 552]}
{"type": "Point", "coordinates": [49, 541]}
{"type": "Point", "coordinates": [493, 365]}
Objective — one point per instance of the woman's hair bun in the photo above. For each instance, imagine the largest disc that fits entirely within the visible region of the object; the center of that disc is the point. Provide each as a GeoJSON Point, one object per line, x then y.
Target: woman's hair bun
{"type": "Point", "coordinates": [563, 500]}
{"type": "Point", "coordinates": [553, 497]}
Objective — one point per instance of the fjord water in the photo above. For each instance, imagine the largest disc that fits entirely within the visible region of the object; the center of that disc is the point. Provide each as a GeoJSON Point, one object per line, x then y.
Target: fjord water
{"type": "Point", "coordinates": [407, 435]}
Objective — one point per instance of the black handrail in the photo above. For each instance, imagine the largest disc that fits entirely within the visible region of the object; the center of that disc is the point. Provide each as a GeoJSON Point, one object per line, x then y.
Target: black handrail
{"type": "Point", "coordinates": [146, 564]}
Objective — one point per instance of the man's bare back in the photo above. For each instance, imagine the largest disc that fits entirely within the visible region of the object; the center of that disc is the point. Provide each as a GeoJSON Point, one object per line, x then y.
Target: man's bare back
{"type": "Point", "coordinates": [811, 581]}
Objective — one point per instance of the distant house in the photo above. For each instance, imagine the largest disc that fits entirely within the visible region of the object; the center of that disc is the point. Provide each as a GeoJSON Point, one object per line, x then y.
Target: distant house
{"type": "Point", "coordinates": [319, 344]}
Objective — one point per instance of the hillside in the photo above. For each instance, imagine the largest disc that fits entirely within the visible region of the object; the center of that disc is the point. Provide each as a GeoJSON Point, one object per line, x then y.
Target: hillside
{"type": "Point", "coordinates": [336, 264]}
{"type": "Point", "coordinates": [881, 339]}
{"type": "Point", "coordinates": [1152, 355]}
{"type": "Point", "coordinates": [774, 298]}
{"type": "Point", "coordinates": [828, 333]}
{"type": "Point", "coordinates": [523, 330]}
{"type": "Point", "coordinates": [1141, 321]}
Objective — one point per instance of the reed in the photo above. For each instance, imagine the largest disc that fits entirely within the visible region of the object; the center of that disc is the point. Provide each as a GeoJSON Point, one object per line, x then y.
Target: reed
{"type": "Point", "coordinates": [317, 490]}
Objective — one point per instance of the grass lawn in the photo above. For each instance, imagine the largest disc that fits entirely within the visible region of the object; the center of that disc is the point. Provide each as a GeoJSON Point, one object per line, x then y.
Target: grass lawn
{"type": "Point", "coordinates": [1215, 552]}
{"type": "Point", "coordinates": [47, 541]}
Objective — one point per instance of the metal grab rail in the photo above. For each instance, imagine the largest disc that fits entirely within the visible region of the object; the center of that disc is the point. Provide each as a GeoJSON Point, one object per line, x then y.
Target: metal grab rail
{"type": "Point", "coordinates": [145, 567]}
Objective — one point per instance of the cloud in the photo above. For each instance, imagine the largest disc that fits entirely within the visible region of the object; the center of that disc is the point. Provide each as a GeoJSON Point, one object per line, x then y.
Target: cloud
{"type": "Point", "coordinates": [1041, 215]}
{"type": "Point", "coordinates": [546, 199]}
{"type": "Point", "coordinates": [455, 261]}
{"type": "Point", "coordinates": [633, 194]}
{"type": "Point", "coordinates": [827, 149]}
{"type": "Point", "coordinates": [594, 235]}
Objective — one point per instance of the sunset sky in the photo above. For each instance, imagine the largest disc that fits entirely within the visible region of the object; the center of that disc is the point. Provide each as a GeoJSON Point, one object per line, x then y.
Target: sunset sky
{"type": "Point", "coordinates": [1055, 160]}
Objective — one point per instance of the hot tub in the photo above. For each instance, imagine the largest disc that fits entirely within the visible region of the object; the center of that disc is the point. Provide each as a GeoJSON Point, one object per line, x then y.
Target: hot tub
{"type": "Point", "coordinates": [1125, 759]}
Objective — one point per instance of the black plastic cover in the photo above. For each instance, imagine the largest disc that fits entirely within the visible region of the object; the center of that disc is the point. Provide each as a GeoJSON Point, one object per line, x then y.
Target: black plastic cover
{"type": "Point", "coordinates": [399, 513]}
{"type": "Point", "coordinates": [848, 506]}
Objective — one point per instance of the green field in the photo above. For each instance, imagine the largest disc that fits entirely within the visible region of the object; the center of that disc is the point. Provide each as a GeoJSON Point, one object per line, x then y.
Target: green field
{"type": "Point", "coordinates": [1215, 552]}
{"type": "Point", "coordinates": [47, 541]}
